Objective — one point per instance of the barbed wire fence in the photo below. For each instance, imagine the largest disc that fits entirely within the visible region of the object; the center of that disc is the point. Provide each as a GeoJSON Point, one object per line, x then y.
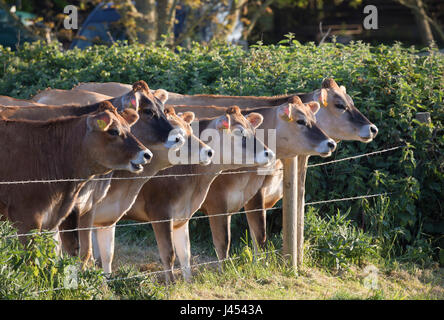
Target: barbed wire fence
{"type": "Point", "coordinates": [146, 274]}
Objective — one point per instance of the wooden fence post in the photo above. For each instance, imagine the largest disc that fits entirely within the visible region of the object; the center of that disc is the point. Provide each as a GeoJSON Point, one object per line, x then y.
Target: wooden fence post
{"type": "Point", "coordinates": [302, 174]}
{"type": "Point", "coordinates": [289, 211]}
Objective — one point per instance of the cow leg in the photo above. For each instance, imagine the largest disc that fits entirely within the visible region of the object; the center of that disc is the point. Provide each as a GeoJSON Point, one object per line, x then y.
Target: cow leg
{"type": "Point", "coordinates": [70, 240]}
{"type": "Point", "coordinates": [181, 238]}
{"type": "Point", "coordinates": [96, 249]}
{"type": "Point", "coordinates": [221, 233]}
{"type": "Point", "coordinates": [257, 220]}
{"type": "Point", "coordinates": [105, 241]}
{"type": "Point", "coordinates": [86, 221]}
{"type": "Point", "coordinates": [164, 238]}
{"type": "Point", "coordinates": [34, 222]}
{"type": "Point", "coordinates": [57, 240]}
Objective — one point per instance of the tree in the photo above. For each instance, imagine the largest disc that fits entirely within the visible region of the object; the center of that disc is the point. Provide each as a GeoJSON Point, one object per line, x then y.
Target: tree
{"type": "Point", "coordinates": [149, 22]}
{"type": "Point", "coordinates": [423, 20]}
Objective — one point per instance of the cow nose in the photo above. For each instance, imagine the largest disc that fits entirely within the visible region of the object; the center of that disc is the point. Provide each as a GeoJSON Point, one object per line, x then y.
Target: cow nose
{"type": "Point", "coordinates": [332, 145]}
{"type": "Point", "coordinates": [147, 156]}
{"type": "Point", "coordinates": [269, 154]}
{"type": "Point", "coordinates": [206, 155]}
{"type": "Point", "coordinates": [374, 130]}
{"type": "Point", "coordinates": [175, 139]}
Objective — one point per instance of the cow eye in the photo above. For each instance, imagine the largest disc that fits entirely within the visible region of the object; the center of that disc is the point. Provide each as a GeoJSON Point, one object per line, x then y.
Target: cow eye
{"type": "Point", "coordinates": [148, 112]}
{"type": "Point", "coordinates": [340, 106]}
{"type": "Point", "coordinates": [113, 132]}
{"type": "Point", "coordinates": [301, 122]}
{"type": "Point", "coordinates": [238, 132]}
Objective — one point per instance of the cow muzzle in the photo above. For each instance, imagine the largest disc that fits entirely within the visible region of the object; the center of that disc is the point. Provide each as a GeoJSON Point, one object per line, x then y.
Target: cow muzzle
{"type": "Point", "coordinates": [206, 155]}
{"type": "Point", "coordinates": [368, 133]}
{"type": "Point", "coordinates": [143, 157]}
{"type": "Point", "coordinates": [326, 147]}
{"type": "Point", "coordinates": [265, 157]}
{"type": "Point", "coordinates": [176, 139]}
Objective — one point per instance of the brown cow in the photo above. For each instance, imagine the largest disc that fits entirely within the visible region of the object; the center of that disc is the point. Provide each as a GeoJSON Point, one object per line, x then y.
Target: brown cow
{"type": "Point", "coordinates": [340, 119]}
{"type": "Point", "coordinates": [70, 147]}
{"type": "Point", "coordinates": [123, 193]}
{"type": "Point", "coordinates": [179, 198]}
{"type": "Point", "coordinates": [153, 129]}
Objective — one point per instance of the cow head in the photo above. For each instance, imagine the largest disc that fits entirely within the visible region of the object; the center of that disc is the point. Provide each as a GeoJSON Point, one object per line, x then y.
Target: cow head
{"type": "Point", "coordinates": [297, 131]}
{"type": "Point", "coordinates": [111, 144]}
{"type": "Point", "coordinates": [153, 128]}
{"type": "Point", "coordinates": [234, 141]}
{"type": "Point", "coordinates": [339, 117]}
{"type": "Point", "coordinates": [182, 123]}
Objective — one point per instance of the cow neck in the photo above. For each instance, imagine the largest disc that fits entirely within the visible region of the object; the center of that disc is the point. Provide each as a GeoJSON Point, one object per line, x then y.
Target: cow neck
{"type": "Point", "coordinates": [270, 121]}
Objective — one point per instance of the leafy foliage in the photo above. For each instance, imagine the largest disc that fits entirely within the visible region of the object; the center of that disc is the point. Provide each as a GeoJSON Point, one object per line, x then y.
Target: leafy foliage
{"type": "Point", "coordinates": [335, 242]}
{"type": "Point", "coordinates": [28, 273]}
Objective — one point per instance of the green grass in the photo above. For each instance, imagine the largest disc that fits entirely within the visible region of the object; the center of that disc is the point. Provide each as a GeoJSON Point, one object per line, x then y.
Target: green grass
{"type": "Point", "coordinates": [269, 277]}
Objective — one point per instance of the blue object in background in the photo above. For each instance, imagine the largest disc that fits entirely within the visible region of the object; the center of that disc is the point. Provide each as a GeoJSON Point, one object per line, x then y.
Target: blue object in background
{"type": "Point", "coordinates": [98, 27]}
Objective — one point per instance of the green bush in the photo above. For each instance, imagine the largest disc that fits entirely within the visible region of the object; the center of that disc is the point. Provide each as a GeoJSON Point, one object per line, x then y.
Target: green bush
{"type": "Point", "coordinates": [389, 84]}
{"type": "Point", "coordinates": [33, 272]}
{"type": "Point", "coordinates": [335, 242]}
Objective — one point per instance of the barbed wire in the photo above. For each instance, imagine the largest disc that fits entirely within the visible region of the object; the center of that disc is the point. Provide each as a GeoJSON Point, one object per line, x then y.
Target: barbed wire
{"type": "Point", "coordinates": [191, 218]}
{"type": "Point", "coordinates": [261, 170]}
{"type": "Point", "coordinates": [355, 157]}
{"type": "Point", "coordinates": [145, 274]}
{"type": "Point", "coordinates": [349, 198]}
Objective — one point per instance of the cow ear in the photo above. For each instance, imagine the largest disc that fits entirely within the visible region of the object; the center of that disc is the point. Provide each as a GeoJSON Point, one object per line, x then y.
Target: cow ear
{"type": "Point", "coordinates": [343, 89]}
{"type": "Point", "coordinates": [169, 112]}
{"type": "Point", "coordinates": [314, 106]}
{"type": "Point", "coordinates": [285, 112]}
{"type": "Point", "coordinates": [188, 116]}
{"type": "Point", "coordinates": [99, 122]}
{"type": "Point", "coordinates": [131, 116]}
{"type": "Point", "coordinates": [162, 95]}
{"type": "Point", "coordinates": [131, 101]}
{"type": "Point", "coordinates": [323, 97]}
{"type": "Point", "coordinates": [255, 119]}
{"type": "Point", "coordinates": [223, 122]}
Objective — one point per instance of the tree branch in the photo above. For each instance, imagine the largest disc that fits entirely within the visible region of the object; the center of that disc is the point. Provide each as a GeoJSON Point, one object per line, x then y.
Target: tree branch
{"type": "Point", "coordinates": [256, 17]}
{"type": "Point", "coordinates": [196, 23]}
{"type": "Point", "coordinates": [412, 6]}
